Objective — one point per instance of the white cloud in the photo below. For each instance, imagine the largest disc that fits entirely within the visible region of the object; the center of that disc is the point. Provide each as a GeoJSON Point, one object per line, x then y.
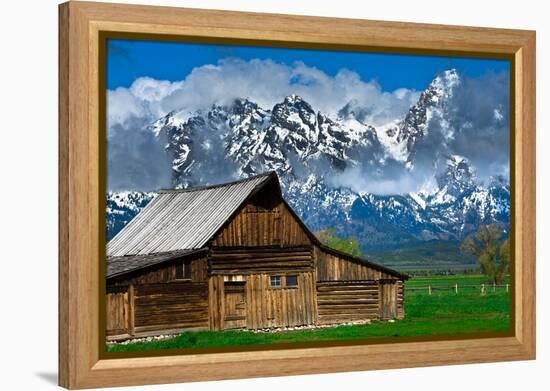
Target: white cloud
{"type": "Point", "coordinates": [143, 100]}
{"type": "Point", "coordinates": [152, 90]}
{"type": "Point", "coordinates": [258, 80]}
{"type": "Point", "coordinates": [394, 181]}
{"type": "Point", "coordinates": [122, 104]}
{"type": "Point", "coordinates": [263, 81]}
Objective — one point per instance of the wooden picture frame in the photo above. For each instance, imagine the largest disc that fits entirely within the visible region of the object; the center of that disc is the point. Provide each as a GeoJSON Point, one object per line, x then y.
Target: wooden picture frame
{"type": "Point", "coordinates": [81, 203]}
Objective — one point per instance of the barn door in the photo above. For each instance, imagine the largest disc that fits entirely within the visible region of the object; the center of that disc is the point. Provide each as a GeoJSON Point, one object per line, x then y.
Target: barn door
{"type": "Point", "coordinates": [235, 304]}
{"type": "Point", "coordinates": [388, 300]}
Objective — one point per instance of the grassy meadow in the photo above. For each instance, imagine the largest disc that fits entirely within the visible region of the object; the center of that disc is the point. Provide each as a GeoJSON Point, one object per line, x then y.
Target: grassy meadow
{"type": "Point", "coordinates": [436, 281]}
{"type": "Point", "coordinates": [444, 312]}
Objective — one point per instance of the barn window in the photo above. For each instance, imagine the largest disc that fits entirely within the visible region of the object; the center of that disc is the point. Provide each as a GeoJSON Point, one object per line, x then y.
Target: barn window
{"type": "Point", "coordinates": [275, 281]}
{"type": "Point", "coordinates": [183, 270]}
{"type": "Point", "coordinates": [292, 281]}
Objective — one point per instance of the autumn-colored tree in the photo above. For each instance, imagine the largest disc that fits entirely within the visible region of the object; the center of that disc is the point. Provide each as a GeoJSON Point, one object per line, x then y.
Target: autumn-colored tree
{"type": "Point", "coordinates": [491, 250]}
{"type": "Point", "coordinates": [329, 238]}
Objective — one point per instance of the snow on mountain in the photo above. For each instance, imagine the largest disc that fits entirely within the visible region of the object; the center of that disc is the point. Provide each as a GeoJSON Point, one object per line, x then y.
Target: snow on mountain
{"type": "Point", "coordinates": [122, 207]}
{"type": "Point", "coordinates": [308, 148]}
{"type": "Point", "coordinates": [400, 139]}
{"type": "Point", "coordinates": [255, 140]}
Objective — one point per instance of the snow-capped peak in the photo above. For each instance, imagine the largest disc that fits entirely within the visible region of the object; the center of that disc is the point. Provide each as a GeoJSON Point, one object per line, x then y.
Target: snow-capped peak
{"type": "Point", "coordinates": [444, 84]}
{"type": "Point", "coordinates": [293, 99]}
{"type": "Point", "coordinates": [400, 139]}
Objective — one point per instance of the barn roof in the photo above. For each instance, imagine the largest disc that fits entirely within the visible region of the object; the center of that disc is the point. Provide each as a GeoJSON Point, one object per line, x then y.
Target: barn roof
{"type": "Point", "coordinates": [183, 219]}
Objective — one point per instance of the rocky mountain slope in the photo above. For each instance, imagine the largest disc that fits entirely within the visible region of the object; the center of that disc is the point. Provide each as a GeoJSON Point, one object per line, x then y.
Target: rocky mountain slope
{"type": "Point", "coordinates": [313, 152]}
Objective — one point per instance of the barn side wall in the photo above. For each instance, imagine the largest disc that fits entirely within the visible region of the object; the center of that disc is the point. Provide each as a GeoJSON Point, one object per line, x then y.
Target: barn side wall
{"type": "Point", "coordinates": [134, 301]}
{"type": "Point", "coordinates": [170, 307]}
{"type": "Point", "coordinates": [346, 301]}
{"type": "Point", "coordinates": [334, 271]}
{"type": "Point", "coordinates": [254, 260]}
{"type": "Point", "coordinates": [117, 311]}
{"type": "Point", "coordinates": [164, 272]}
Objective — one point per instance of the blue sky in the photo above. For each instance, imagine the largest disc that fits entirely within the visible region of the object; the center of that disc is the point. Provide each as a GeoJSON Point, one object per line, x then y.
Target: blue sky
{"type": "Point", "coordinates": [128, 60]}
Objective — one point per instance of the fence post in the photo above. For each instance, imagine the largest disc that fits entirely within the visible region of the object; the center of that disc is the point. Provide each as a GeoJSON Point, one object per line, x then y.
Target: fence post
{"type": "Point", "coordinates": [506, 288]}
{"type": "Point", "coordinates": [482, 289]}
{"type": "Point", "coordinates": [429, 289]}
{"type": "Point", "coordinates": [456, 288]}
{"type": "Point", "coordinates": [494, 287]}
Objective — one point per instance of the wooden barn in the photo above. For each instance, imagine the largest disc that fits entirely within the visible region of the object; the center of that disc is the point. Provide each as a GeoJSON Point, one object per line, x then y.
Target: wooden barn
{"type": "Point", "coordinates": [235, 256]}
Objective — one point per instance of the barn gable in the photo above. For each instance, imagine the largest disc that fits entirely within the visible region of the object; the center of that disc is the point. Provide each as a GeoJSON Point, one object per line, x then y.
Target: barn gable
{"type": "Point", "coordinates": [264, 219]}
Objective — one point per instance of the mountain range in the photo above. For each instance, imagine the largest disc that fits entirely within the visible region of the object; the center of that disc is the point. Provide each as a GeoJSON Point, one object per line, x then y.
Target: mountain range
{"type": "Point", "coordinates": [334, 168]}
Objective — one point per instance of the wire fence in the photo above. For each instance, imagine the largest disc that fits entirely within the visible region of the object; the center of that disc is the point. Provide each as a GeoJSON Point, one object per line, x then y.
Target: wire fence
{"type": "Point", "coordinates": [483, 288]}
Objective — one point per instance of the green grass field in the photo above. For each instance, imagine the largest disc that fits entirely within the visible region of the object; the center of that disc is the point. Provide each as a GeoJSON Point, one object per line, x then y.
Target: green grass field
{"type": "Point", "coordinates": [449, 280]}
{"type": "Point", "coordinates": [443, 312]}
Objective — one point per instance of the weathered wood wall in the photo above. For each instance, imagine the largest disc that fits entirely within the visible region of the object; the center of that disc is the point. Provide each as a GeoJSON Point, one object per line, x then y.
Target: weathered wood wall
{"type": "Point", "coordinates": [216, 300]}
{"type": "Point", "coordinates": [392, 299]}
{"type": "Point", "coordinates": [266, 306]}
{"type": "Point", "coordinates": [388, 301]}
{"type": "Point", "coordinates": [199, 270]}
{"type": "Point", "coordinates": [280, 307]}
{"type": "Point", "coordinates": [345, 301]}
{"type": "Point", "coordinates": [250, 260]}
{"type": "Point", "coordinates": [264, 221]}
{"type": "Point", "coordinates": [170, 306]}
{"type": "Point", "coordinates": [332, 267]}
{"type": "Point", "coordinates": [164, 272]}
{"type": "Point", "coordinates": [117, 309]}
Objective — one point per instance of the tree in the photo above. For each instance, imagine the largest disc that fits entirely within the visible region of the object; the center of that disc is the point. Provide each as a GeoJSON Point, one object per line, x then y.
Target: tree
{"type": "Point", "coordinates": [329, 238]}
{"type": "Point", "coordinates": [492, 252]}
